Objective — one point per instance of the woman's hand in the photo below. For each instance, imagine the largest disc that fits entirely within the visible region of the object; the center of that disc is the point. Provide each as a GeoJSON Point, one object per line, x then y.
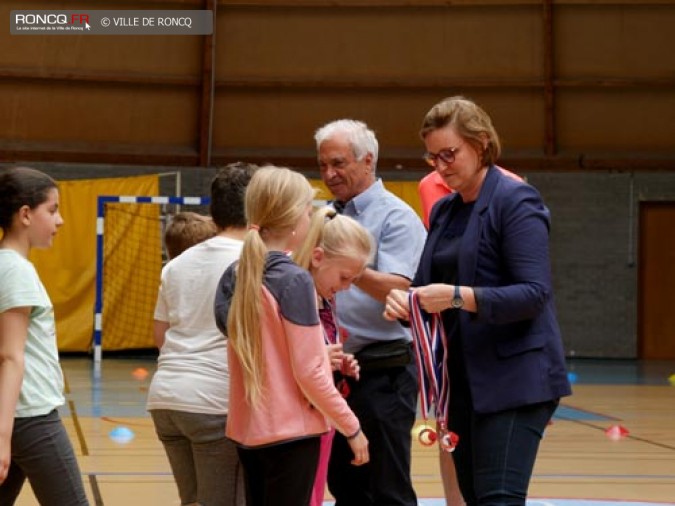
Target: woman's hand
{"type": "Point", "coordinates": [396, 305]}
{"type": "Point", "coordinates": [436, 297]}
{"type": "Point", "coordinates": [359, 445]}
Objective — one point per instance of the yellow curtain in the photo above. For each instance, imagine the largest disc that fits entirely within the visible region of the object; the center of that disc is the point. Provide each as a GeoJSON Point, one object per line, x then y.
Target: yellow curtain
{"type": "Point", "coordinates": [406, 190]}
{"type": "Point", "coordinates": [131, 275]}
{"type": "Point", "coordinates": [68, 269]}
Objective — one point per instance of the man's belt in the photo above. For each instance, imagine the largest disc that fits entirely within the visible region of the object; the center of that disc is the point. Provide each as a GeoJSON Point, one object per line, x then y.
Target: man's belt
{"type": "Point", "coordinates": [385, 355]}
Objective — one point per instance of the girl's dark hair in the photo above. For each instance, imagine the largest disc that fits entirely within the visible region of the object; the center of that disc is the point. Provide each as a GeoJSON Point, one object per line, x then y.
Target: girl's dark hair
{"type": "Point", "coordinates": [21, 186]}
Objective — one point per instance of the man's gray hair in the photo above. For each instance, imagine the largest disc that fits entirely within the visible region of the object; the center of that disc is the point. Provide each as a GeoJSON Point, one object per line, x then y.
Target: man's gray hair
{"type": "Point", "coordinates": [361, 138]}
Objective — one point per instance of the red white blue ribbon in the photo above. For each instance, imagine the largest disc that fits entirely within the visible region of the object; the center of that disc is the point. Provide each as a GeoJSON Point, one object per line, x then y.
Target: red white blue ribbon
{"type": "Point", "coordinates": [431, 356]}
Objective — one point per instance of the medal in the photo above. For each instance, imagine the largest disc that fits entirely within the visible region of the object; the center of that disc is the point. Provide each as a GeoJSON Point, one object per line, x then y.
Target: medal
{"type": "Point", "coordinates": [448, 440]}
{"type": "Point", "coordinates": [425, 434]}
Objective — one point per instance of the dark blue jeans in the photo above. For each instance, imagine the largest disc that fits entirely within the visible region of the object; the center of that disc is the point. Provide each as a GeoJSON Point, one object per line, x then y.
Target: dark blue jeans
{"type": "Point", "coordinates": [496, 452]}
{"type": "Point", "coordinates": [41, 452]}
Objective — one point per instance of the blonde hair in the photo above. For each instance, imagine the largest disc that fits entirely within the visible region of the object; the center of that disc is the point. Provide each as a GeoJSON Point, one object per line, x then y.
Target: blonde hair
{"type": "Point", "coordinates": [276, 197]}
{"type": "Point", "coordinates": [338, 235]}
{"type": "Point", "coordinates": [471, 123]}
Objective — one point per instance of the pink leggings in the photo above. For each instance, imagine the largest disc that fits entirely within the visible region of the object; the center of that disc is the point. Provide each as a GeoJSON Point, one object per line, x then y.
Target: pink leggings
{"type": "Point", "coordinates": [322, 469]}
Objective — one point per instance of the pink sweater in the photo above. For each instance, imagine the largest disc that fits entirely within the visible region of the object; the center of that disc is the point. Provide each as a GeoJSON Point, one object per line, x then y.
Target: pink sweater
{"type": "Point", "coordinates": [297, 382]}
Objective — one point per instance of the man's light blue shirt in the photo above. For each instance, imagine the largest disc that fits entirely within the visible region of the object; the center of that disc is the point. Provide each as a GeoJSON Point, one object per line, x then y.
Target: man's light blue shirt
{"type": "Point", "coordinates": [399, 236]}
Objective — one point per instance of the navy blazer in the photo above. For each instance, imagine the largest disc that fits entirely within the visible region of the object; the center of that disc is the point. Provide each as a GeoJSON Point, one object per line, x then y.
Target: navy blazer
{"type": "Point", "coordinates": [512, 346]}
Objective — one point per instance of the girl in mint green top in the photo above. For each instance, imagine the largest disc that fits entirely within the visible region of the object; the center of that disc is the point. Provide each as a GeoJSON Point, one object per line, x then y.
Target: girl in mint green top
{"type": "Point", "coordinates": [33, 442]}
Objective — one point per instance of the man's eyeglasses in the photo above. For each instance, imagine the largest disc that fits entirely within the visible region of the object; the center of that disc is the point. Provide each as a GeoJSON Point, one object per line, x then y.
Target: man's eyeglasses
{"type": "Point", "coordinates": [447, 155]}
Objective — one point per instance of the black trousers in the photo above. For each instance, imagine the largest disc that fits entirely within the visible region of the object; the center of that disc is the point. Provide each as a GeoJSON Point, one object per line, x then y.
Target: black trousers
{"type": "Point", "coordinates": [281, 474]}
{"type": "Point", "coordinates": [385, 403]}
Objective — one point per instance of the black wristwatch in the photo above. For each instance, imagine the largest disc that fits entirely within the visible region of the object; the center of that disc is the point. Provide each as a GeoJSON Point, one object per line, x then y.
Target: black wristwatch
{"type": "Point", "coordinates": [457, 302]}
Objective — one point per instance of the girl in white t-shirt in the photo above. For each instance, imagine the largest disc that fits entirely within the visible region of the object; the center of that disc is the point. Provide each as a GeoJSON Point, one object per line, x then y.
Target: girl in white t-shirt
{"type": "Point", "coordinates": [34, 444]}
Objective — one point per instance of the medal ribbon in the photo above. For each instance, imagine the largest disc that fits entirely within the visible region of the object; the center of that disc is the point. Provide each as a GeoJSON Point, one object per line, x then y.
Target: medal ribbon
{"type": "Point", "coordinates": [329, 323]}
{"type": "Point", "coordinates": [431, 355]}
{"type": "Point", "coordinates": [332, 334]}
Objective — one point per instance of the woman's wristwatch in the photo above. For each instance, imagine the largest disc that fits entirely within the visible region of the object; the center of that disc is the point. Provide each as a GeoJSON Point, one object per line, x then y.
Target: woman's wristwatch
{"type": "Point", "coordinates": [457, 302]}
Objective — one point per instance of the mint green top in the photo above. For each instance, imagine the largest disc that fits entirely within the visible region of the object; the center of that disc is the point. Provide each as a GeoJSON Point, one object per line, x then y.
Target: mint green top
{"type": "Point", "coordinates": [20, 286]}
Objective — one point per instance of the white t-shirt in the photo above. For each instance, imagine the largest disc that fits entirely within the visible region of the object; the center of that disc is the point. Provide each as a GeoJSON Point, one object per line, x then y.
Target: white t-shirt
{"type": "Point", "coordinates": [192, 372]}
{"type": "Point", "coordinates": [20, 286]}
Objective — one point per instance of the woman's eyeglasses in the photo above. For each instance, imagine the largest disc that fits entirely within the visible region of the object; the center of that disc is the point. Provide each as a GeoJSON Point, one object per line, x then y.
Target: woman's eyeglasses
{"type": "Point", "coordinates": [446, 155]}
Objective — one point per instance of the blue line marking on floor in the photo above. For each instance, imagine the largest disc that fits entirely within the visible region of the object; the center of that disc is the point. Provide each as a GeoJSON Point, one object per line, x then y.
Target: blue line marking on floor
{"type": "Point", "coordinates": [569, 413]}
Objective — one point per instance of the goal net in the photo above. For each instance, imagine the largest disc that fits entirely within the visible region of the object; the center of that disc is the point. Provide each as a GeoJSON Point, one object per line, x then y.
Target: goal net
{"type": "Point", "coordinates": [129, 260]}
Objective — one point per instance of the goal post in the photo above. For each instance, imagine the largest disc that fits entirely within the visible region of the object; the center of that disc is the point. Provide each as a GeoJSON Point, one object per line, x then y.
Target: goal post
{"type": "Point", "coordinates": [129, 259]}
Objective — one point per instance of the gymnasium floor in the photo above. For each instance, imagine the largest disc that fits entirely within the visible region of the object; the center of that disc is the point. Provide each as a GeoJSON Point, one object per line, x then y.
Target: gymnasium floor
{"type": "Point", "coordinates": [578, 465]}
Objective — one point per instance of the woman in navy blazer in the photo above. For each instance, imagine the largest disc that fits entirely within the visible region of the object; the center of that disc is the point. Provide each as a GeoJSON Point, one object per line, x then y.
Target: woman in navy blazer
{"type": "Point", "coordinates": [486, 269]}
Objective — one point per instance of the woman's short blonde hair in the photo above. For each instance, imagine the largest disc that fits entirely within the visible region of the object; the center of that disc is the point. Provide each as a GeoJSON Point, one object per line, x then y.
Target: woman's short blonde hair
{"type": "Point", "coordinates": [470, 122]}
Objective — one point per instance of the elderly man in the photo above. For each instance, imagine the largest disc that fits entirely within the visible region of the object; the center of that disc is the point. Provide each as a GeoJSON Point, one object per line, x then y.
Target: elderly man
{"type": "Point", "coordinates": [384, 399]}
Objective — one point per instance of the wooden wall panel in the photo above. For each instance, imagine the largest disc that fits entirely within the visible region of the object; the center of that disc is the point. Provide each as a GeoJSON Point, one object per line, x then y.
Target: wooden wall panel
{"type": "Point", "coordinates": [564, 80]}
{"type": "Point", "coordinates": [628, 42]}
{"type": "Point", "coordinates": [63, 112]}
{"type": "Point", "coordinates": [617, 120]}
{"type": "Point", "coordinates": [283, 122]}
{"type": "Point", "coordinates": [362, 45]}
{"type": "Point", "coordinates": [81, 54]}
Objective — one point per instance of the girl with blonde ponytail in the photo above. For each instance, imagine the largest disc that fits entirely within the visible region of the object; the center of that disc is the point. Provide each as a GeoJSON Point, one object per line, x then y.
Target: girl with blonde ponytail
{"type": "Point", "coordinates": [282, 395]}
